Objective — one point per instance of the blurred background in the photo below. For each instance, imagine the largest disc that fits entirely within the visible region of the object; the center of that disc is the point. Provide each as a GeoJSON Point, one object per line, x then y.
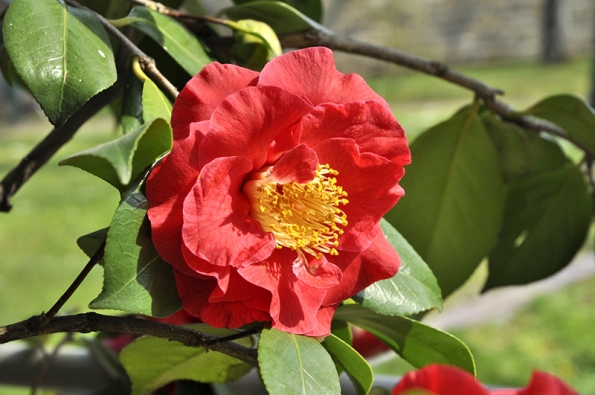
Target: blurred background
{"type": "Point", "coordinates": [528, 48]}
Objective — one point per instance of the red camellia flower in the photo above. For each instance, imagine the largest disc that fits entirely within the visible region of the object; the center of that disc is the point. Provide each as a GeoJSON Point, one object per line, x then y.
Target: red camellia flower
{"type": "Point", "coordinates": [450, 380]}
{"type": "Point", "coordinates": [268, 205]}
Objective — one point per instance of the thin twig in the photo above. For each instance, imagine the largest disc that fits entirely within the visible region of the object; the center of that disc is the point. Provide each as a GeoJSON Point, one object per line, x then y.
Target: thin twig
{"type": "Point", "coordinates": [75, 284]}
{"type": "Point", "coordinates": [46, 148]}
{"type": "Point", "coordinates": [146, 61]}
{"type": "Point", "coordinates": [93, 322]}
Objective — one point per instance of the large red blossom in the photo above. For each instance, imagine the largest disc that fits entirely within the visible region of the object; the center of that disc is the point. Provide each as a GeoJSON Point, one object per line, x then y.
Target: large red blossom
{"type": "Point", "coordinates": [268, 205]}
{"type": "Point", "coordinates": [450, 380]}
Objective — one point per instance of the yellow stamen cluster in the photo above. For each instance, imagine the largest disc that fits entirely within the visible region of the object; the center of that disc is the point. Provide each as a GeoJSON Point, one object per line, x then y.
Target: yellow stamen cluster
{"type": "Point", "coordinates": [302, 217]}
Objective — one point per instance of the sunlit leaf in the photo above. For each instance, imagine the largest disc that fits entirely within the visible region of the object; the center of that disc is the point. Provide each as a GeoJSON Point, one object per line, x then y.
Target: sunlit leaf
{"type": "Point", "coordinates": [295, 364]}
{"type": "Point", "coordinates": [283, 18]}
{"type": "Point", "coordinates": [155, 104]}
{"type": "Point", "coordinates": [411, 290]}
{"type": "Point", "coordinates": [152, 362]}
{"type": "Point", "coordinates": [310, 8]}
{"type": "Point", "coordinates": [120, 161]}
{"type": "Point", "coordinates": [173, 37]}
{"type": "Point", "coordinates": [417, 343]}
{"type": "Point", "coordinates": [453, 206]}
{"type": "Point", "coordinates": [357, 368]}
{"type": "Point", "coordinates": [256, 43]}
{"type": "Point", "coordinates": [64, 61]}
{"type": "Point", "coordinates": [136, 279]}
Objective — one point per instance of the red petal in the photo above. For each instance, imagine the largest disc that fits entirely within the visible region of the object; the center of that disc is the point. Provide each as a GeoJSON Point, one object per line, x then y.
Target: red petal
{"type": "Point", "coordinates": [217, 227]}
{"type": "Point", "coordinates": [372, 184]}
{"type": "Point", "coordinates": [167, 186]}
{"type": "Point", "coordinates": [311, 74]}
{"type": "Point", "coordinates": [317, 273]}
{"type": "Point", "coordinates": [324, 318]}
{"type": "Point", "coordinates": [541, 384]}
{"type": "Point", "coordinates": [378, 262]}
{"type": "Point", "coordinates": [441, 380]}
{"type": "Point", "coordinates": [294, 304]}
{"type": "Point", "coordinates": [248, 122]}
{"type": "Point", "coordinates": [297, 165]}
{"type": "Point", "coordinates": [372, 126]}
{"type": "Point", "coordinates": [205, 91]}
{"type": "Point", "coordinates": [195, 292]}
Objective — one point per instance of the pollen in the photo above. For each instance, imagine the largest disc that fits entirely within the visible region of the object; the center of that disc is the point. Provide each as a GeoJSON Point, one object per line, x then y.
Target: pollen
{"type": "Point", "coordinates": [303, 217]}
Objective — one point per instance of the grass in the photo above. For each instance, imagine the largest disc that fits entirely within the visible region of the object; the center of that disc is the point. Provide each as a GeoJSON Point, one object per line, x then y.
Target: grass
{"type": "Point", "coordinates": [554, 334]}
{"type": "Point", "coordinates": [39, 257]}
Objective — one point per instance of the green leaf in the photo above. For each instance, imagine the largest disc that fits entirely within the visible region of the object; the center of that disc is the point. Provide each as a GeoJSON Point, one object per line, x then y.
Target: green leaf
{"type": "Point", "coordinates": [342, 330]}
{"type": "Point", "coordinates": [357, 368]}
{"type": "Point", "coordinates": [131, 117]}
{"type": "Point", "coordinates": [136, 279]}
{"type": "Point", "coordinates": [295, 364]}
{"type": "Point", "coordinates": [571, 113]}
{"type": "Point", "coordinates": [155, 104]}
{"type": "Point", "coordinates": [173, 37]}
{"type": "Point", "coordinates": [153, 362]}
{"type": "Point", "coordinates": [62, 54]}
{"type": "Point", "coordinates": [120, 161]}
{"type": "Point", "coordinates": [417, 343]}
{"type": "Point", "coordinates": [256, 43]}
{"type": "Point", "coordinates": [454, 198]}
{"type": "Point", "coordinates": [282, 18]}
{"type": "Point", "coordinates": [512, 145]}
{"type": "Point", "coordinates": [310, 8]}
{"type": "Point", "coordinates": [411, 290]}
{"type": "Point", "coordinates": [546, 222]}
{"type": "Point", "coordinates": [89, 243]}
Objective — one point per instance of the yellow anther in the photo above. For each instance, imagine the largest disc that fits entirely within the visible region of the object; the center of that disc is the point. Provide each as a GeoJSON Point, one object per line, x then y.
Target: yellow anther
{"type": "Point", "coordinates": [301, 217]}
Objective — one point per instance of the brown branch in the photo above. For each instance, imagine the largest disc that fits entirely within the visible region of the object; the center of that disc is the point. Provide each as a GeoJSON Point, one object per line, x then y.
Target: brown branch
{"type": "Point", "coordinates": [437, 69]}
{"type": "Point", "coordinates": [42, 153]}
{"type": "Point", "coordinates": [146, 62]}
{"type": "Point", "coordinates": [93, 322]}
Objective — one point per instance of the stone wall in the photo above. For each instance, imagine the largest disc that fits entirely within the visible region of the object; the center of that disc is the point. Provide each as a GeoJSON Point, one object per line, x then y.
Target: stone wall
{"type": "Point", "coordinates": [456, 31]}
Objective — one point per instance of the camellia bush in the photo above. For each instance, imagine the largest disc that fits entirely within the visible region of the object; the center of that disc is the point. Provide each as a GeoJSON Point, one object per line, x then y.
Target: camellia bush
{"type": "Point", "coordinates": [270, 203]}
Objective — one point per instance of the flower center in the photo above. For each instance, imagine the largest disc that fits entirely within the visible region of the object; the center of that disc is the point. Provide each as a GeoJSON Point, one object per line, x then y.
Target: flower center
{"type": "Point", "coordinates": [302, 217]}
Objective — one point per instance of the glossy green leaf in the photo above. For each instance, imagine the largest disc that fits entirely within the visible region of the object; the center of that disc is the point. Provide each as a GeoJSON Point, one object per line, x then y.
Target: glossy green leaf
{"type": "Point", "coordinates": [173, 37]}
{"type": "Point", "coordinates": [454, 198]}
{"type": "Point", "coordinates": [153, 362]}
{"type": "Point", "coordinates": [571, 113]}
{"type": "Point", "coordinates": [411, 290]}
{"type": "Point", "coordinates": [357, 368]}
{"type": "Point", "coordinates": [512, 145]}
{"type": "Point", "coordinates": [131, 113]}
{"type": "Point", "coordinates": [155, 104]}
{"type": "Point", "coordinates": [342, 330]}
{"type": "Point", "coordinates": [546, 222]}
{"type": "Point", "coordinates": [64, 61]}
{"type": "Point", "coordinates": [90, 242]}
{"type": "Point", "coordinates": [136, 279]}
{"type": "Point", "coordinates": [310, 8]}
{"type": "Point", "coordinates": [120, 161]}
{"type": "Point", "coordinates": [417, 343]}
{"type": "Point", "coordinates": [283, 18]}
{"type": "Point", "coordinates": [295, 364]}
{"type": "Point", "coordinates": [256, 43]}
